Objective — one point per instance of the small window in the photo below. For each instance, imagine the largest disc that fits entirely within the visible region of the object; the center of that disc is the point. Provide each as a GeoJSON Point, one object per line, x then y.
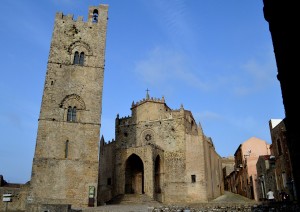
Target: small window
{"type": "Point", "coordinates": [193, 178]}
{"type": "Point", "coordinates": [279, 147]}
{"type": "Point", "coordinates": [74, 114]}
{"type": "Point", "coordinates": [81, 59]}
{"type": "Point", "coordinates": [71, 115]}
{"type": "Point", "coordinates": [66, 149]}
{"type": "Point", "coordinates": [76, 58]}
{"type": "Point", "coordinates": [108, 181]}
{"type": "Point", "coordinates": [95, 16]}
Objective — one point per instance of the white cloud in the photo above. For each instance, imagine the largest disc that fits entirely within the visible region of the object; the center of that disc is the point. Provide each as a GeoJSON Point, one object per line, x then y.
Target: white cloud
{"type": "Point", "coordinates": [173, 18]}
{"type": "Point", "coordinates": [166, 66]}
{"type": "Point", "coordinates": [208, 115]}
{"type": "Point", "coordinates": [257, 74]}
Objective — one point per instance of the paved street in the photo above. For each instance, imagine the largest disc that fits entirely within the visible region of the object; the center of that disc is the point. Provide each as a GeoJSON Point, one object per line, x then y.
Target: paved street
{"type": "Point", "coordinates": [224, 201]}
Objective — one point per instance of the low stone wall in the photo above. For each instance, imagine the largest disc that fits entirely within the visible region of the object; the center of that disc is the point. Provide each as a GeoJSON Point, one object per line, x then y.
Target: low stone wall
{"type": "Point", "coordinates": [203, 207]}
{"type": "Point", "coordinates": [49, 208]}
{"type": "Point", "coordinates": [233, 207]}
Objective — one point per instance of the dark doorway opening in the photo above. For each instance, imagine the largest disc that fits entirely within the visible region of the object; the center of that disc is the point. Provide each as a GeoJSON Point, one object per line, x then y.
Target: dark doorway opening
{"type": "Point", "coordinates": [157, 175]}
{"type": "Point", "coordinates": [134, 175]}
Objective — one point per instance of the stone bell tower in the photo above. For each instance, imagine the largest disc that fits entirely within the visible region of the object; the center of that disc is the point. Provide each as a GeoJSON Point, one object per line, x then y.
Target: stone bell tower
{"type": "Point", "coordinates": [65, 163]}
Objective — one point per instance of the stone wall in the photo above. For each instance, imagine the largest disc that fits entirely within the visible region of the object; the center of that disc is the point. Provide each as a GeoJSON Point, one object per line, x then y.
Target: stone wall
{"type": "Point", "coordinates": [65, 165]}
{"type": "Point", "coordinates": [50, 208]}
{"type": "Point", "coordinates": [179, 163]}
{"type": "Point", "coordinates": [107, 178]}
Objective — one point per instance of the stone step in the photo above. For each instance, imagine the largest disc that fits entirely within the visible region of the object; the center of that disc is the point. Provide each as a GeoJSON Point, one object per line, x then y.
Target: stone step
{"type": "Point", "coordinates": [133, 199]}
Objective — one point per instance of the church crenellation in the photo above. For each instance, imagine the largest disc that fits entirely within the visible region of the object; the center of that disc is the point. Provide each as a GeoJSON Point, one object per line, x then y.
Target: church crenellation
{"type": "Point", "coordinates": [156, 150]}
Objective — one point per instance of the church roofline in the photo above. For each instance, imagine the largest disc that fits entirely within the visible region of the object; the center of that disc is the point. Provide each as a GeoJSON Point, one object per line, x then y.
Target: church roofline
{"type": "Point", "coordinates": [149, 99]}
{"type": "Point", "coordinates": [154, 100]}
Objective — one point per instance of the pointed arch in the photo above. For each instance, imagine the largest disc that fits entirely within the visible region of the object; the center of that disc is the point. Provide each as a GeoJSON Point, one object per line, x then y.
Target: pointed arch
{"type": "Point", "coordinates": [79, 52]}
{"type": "Point", "coordinates": [157, 173]}
{"type": "Point", "coordinates": [71, 105]}
{"type": "Point", "coordinates": [134, 175]}
{"type": "Point", "coordinates": [80, 46]}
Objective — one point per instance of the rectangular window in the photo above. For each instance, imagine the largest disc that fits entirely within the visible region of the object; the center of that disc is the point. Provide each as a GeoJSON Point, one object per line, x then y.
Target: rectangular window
{"type": "Point", "coordinates": [193, 178]}
{"type": "Point", "coordinates": [283, 175]}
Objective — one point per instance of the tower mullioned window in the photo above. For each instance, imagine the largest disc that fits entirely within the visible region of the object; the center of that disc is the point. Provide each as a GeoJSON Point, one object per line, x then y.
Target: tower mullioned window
{"type": "Point", "coordinates": [69, 105]}
{"type": "Point", "coordinates": [71, 116]}
{"type": "Point", "coordinates": [78, 58]}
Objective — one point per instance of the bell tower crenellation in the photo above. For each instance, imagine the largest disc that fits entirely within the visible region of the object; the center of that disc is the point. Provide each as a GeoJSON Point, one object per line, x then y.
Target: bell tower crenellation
{"type": "Point", "coordinates": [65, 163]}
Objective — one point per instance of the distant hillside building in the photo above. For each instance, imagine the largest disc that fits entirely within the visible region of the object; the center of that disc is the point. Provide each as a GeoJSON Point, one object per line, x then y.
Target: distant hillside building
{"type": "Point", "coordinates": [228, 165]}
{"type": "Point", "coordinates": [246, 157]}
{"type": "Point", "coordinates": [162, 153]}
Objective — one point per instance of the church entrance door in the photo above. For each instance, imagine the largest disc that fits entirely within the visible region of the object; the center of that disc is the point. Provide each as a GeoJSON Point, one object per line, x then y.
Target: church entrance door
{"type": "Point", "coordinates": [134, 175]}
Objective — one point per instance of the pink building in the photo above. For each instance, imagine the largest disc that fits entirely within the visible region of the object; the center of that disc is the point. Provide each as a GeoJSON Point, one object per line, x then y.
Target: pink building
{"type": "Point", "coordinates": [246, 157]}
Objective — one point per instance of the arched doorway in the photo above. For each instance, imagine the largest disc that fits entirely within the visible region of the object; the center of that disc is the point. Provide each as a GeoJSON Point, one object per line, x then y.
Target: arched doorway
{"type": "Point", "coordinates": [134, 175]}
{"type": "Point", "coordinates": [157, 171]}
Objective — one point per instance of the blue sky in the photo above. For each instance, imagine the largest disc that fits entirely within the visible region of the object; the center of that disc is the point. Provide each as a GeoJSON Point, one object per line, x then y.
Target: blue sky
{"type": "Point", "coordinates": [215, 57]}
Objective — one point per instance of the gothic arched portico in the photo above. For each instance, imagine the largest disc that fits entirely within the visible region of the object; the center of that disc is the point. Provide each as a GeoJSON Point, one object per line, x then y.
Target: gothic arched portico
{"type": "Point", "coordinates": [134, 175]}
{"type": "Point", "coordinates": [157, 172]}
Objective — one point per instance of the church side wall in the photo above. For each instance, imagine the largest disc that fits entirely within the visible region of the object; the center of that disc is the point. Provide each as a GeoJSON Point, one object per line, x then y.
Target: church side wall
{"type": "Point", "coordinates": [174, 136]}
{"type": "Point", "coordinates": [107, 179]}
{"type": "Point", "coordinates": [215, 185]}
{"type": "Point", "coordinates": [195, 169]}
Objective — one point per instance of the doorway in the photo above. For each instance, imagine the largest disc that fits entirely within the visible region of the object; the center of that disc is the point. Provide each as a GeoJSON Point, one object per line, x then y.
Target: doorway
{"type": "Point", "coordinates": [134, 175]}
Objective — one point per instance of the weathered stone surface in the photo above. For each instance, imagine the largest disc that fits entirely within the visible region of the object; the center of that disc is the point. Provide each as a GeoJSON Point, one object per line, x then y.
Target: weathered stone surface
{"type": "Point", "coordinates": [65, 164]}
{"type": "Point", "coordinates": [162, 153]}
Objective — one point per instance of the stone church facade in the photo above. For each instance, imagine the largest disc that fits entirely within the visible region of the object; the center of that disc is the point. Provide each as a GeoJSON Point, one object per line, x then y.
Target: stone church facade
{"type": "Point", "coordinates": [159, 152]}
{"type": "Point", "coordinates": [65, 163]}
{"type": "Point", "coordinates": [162, 153]}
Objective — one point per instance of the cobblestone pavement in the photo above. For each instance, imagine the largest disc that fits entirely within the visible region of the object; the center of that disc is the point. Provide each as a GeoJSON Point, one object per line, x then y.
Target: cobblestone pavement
{"type": "Point", "coordinates": [227, 202]}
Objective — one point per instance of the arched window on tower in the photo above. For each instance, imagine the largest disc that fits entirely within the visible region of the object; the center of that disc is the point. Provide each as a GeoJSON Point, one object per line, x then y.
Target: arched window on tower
{"type": "Point", "coordinates": [74, 114]}
{"type": "Point", "coordinates": [76, 58]}
{"type": "Point", "coordinates": [95, 16]}
{"type": "Point", "coordinates": [71, 115]}
{"type": "Point", "coordinates": [81, 58]}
